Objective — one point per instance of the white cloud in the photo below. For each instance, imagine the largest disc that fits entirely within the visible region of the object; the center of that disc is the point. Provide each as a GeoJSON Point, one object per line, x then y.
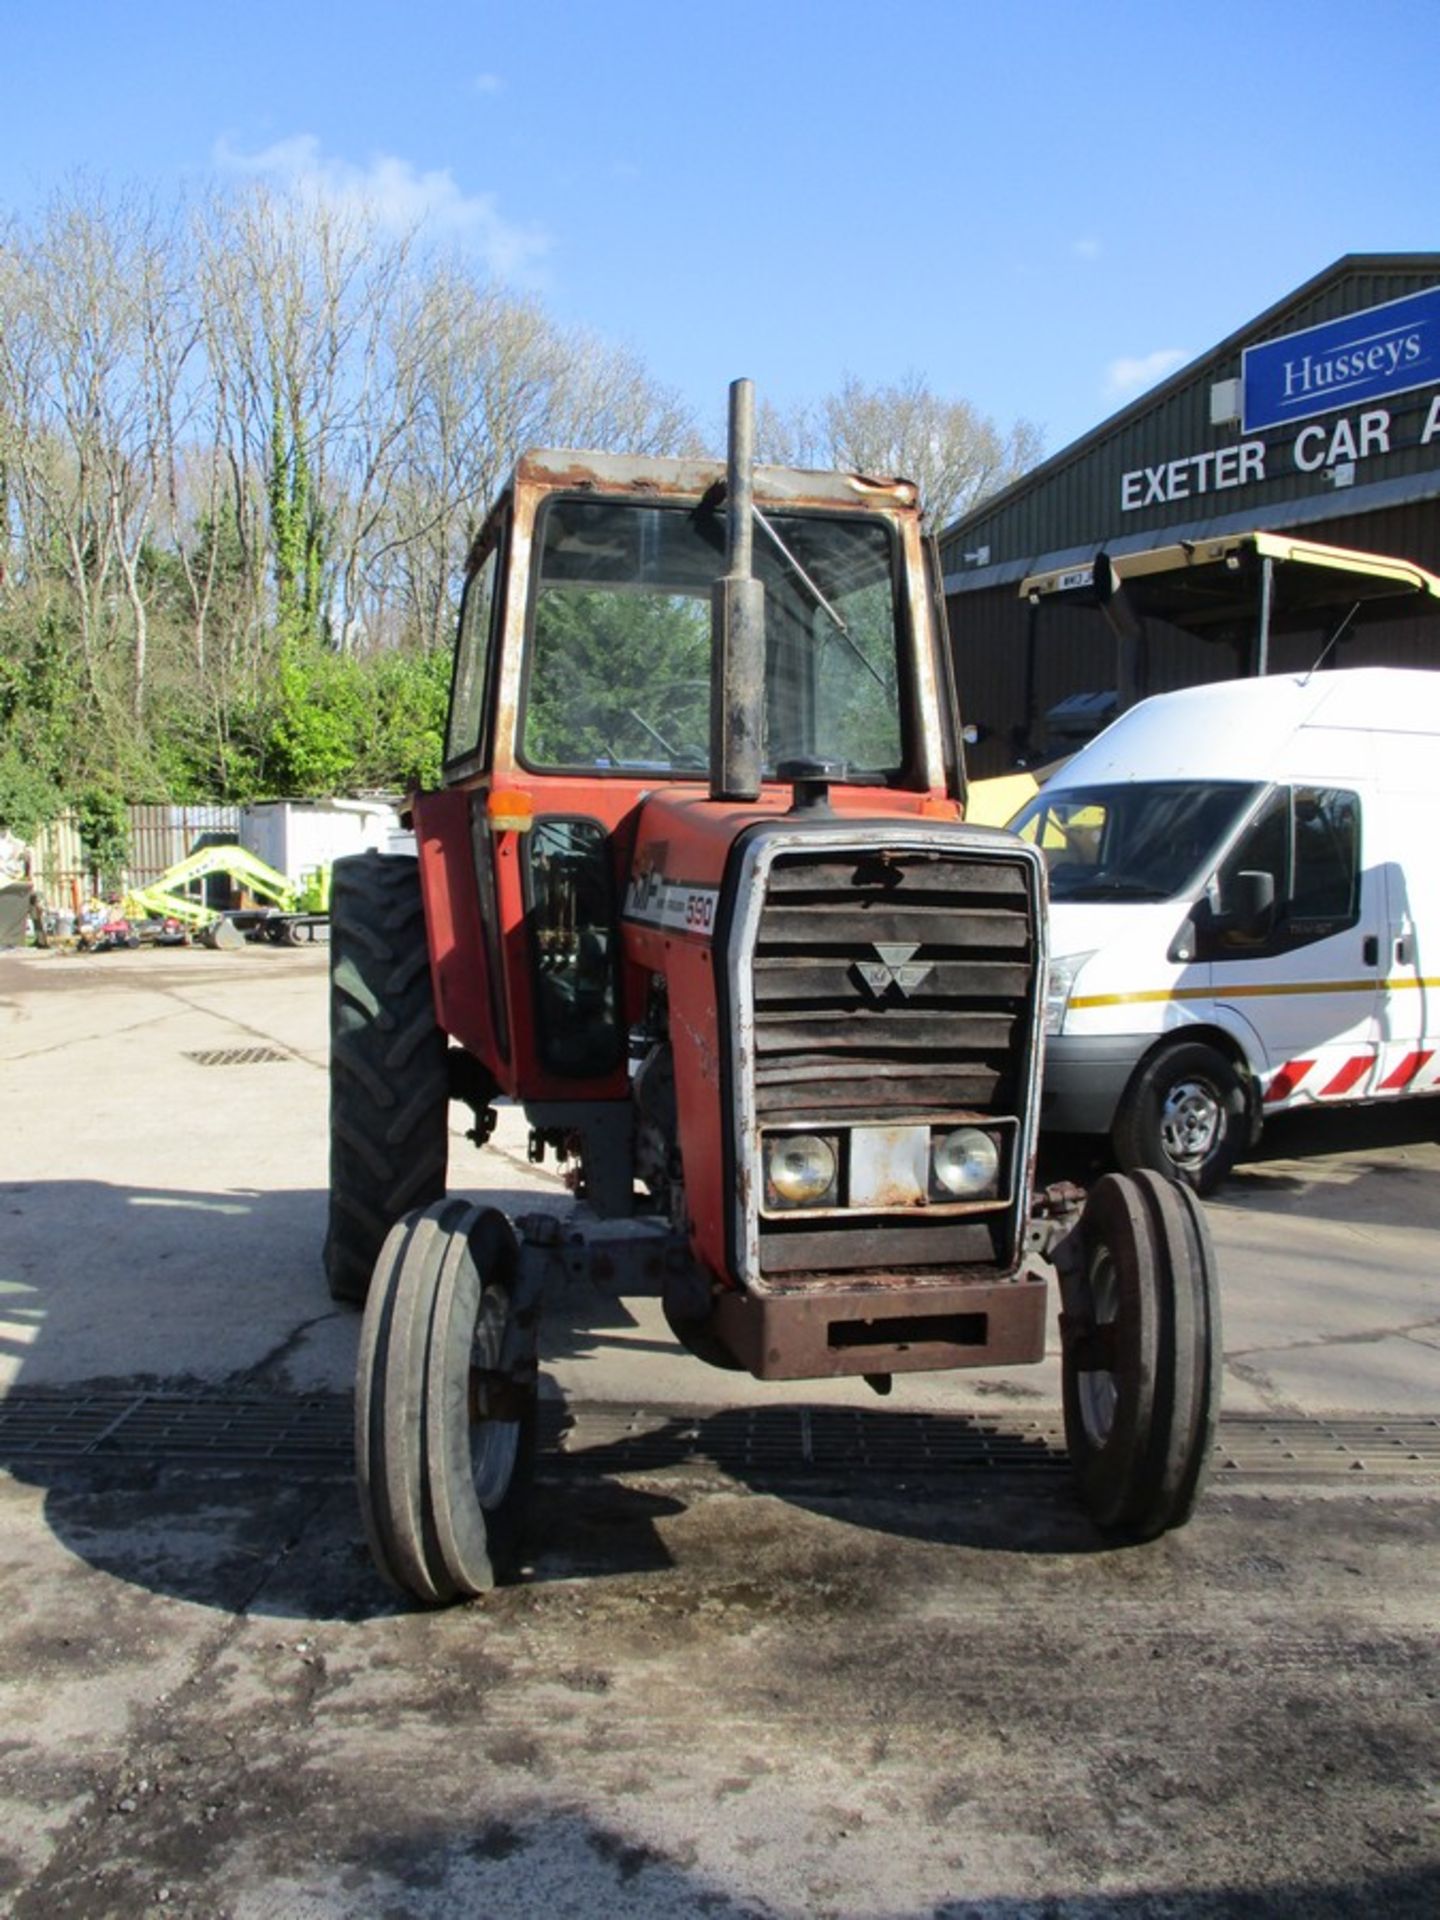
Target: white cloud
{"type": "Point", "coordinates": [1085, 248]}
{"type": "Point", "coordinates": [1124, 377]}
{"type": "Point", "coordinates": [399, 195]}
{"type": "Point", "coordinates": [486, 83]}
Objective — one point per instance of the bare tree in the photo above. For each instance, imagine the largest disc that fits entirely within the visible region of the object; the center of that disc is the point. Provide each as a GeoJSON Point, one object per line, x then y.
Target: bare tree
{"type": "Point", "coordinates": [953, 453]}
{"type": "Point", "coordinates": [487, 374]}
{"type": "Point", "coordinates": [93, 349]}
{"type": "Point", "coordinates": [299, 297]}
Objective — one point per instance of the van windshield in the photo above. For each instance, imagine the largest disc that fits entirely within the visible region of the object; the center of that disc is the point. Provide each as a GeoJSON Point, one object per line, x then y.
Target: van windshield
{"type": "Point", "coordinates": [1147, 841]}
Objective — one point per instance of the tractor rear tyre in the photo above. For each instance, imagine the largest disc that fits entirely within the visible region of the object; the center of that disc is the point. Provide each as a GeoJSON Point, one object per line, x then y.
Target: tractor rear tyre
{"type": "Point", "coordinates": [1142, 1355]}
{"type": "Point", "coordinates": [444, 1442]}
{"type": "Point", "coordinates": [389, 1086]}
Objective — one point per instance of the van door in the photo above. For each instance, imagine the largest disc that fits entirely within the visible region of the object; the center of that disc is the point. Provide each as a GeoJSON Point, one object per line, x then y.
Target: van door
{"type": "Point", "coordinates": [1409, 833]}
{"type": "Point", "coordinates": [1304, 975]}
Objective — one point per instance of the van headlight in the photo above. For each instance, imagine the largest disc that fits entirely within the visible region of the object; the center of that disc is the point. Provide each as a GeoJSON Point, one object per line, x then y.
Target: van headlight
{"type": "Point", "coordinates": [1059, 985]}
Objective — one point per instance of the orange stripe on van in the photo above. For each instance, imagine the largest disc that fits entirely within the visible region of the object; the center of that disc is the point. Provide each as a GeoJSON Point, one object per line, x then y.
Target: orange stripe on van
{"type": "Point", "coordinates": [1355, 1068]}
{"type": "Point", "coordinates": [1408, 1069]}
{"type": "Point", "coordinates": [1287, 1080]}
{"type": "Point", "coordinates": [1265, 991]}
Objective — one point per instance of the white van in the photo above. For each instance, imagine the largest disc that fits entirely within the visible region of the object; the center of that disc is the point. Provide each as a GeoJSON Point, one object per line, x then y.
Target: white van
{"type": "Point", "coordinates": [1245, 884]}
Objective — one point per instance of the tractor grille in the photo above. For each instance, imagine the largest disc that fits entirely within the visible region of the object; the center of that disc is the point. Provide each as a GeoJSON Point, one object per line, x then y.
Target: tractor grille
{"type": "Point", "coordinates": [844, 1026]}
{"type": "Point", "coordinates": [891, 986]}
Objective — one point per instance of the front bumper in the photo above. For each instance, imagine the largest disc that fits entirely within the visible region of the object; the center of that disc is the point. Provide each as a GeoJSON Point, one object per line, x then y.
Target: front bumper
{"type": "Point", "coordinates": [1084, 1078]}
{"type": "Point", "coordinates": [823, 1331]}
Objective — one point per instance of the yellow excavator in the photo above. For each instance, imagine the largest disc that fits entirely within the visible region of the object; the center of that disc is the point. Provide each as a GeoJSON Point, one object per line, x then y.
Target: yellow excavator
{"type": "Point", "coordinates": [293, 912]}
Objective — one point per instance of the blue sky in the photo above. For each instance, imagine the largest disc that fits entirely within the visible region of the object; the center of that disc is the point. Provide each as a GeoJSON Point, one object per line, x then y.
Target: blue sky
{"type": "Point", "coordinates": [1037, 207]}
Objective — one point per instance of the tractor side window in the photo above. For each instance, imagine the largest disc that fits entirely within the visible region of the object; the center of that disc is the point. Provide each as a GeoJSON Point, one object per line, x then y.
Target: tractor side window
{"type": "Point", "coordinates": [570, 902]}
{"type": "Point", "coordinates": [472, 656]}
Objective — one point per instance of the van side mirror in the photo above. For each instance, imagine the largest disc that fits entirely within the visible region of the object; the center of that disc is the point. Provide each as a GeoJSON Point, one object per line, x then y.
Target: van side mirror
{"type": "Point", "coordinates": [1249, 903]}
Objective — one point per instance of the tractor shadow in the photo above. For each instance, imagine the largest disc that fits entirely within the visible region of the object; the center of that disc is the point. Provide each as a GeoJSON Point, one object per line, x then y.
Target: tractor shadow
{"type": "Point", "coordinates": [125, 1313]}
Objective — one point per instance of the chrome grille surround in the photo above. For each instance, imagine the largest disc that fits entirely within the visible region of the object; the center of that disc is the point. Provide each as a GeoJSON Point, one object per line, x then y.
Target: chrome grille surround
{"type": "Point", "coordinates": [887, 973]}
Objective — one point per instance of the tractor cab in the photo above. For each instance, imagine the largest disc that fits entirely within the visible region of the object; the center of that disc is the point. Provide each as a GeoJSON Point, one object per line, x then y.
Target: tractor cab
{"type": "Point", "coordinates": [585, 695]}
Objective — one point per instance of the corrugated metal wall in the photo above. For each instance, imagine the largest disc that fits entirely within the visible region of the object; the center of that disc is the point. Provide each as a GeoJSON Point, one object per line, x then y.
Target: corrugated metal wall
{"type": "Point", "coordinates": [1008, 685]}
{"type": "Point", "coordinates": [161, 835]}
{"type": "Point", "coordinates": [158, 836]}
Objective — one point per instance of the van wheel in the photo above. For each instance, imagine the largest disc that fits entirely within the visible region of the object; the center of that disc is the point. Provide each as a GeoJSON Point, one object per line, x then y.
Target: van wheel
{"type": "Point", "coordinates": [1182, 1115]}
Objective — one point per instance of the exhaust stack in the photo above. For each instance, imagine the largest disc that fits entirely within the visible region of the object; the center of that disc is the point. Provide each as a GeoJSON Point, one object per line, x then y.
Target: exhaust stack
{"type": "Point", "coordinates": [737, 624]}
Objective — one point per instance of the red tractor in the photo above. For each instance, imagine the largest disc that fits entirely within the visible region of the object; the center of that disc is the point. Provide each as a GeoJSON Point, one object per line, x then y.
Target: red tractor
{"type": "Point", "coordinates": [697, 892]}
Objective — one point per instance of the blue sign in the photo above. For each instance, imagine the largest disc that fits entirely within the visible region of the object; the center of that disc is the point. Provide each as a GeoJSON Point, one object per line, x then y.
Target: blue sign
{"type": "Point", "coordinates": [1344, 363]}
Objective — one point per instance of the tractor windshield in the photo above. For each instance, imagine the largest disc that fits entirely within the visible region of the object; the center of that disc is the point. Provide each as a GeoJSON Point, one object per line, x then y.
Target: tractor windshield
{"type": "Point", "coordinates": [619, 677]}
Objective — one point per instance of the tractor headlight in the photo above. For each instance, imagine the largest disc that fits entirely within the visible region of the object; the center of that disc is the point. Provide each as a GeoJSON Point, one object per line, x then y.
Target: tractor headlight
{"type": "Point", "coordinates": [965, 1163]}
{"type": "Point", "coordinates": [800, 1169]}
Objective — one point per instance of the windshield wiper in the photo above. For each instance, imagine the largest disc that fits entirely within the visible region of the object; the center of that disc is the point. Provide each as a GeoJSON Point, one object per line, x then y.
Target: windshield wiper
{"type": "Point", "coordinates": [820, 600]}
{"type": "Point", "coordinates": [799, 570]}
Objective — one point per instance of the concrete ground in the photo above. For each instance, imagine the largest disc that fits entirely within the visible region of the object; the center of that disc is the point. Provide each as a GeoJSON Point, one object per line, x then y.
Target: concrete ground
{"type": "Point", "coordinates": [722, 1687]}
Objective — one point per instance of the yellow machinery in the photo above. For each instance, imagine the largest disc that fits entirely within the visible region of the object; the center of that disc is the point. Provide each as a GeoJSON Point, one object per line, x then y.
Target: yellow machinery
{"type": "Point", "coordinates": [295, 911]}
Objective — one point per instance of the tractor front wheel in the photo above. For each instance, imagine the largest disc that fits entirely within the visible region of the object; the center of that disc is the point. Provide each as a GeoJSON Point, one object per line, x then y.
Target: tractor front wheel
{"type": "Point", "coordinates": [389, 1082]}
{"type": "Point", "coordinates": [1142, 1355]}
{"type": "Point", "coordinates": [444, 1404]}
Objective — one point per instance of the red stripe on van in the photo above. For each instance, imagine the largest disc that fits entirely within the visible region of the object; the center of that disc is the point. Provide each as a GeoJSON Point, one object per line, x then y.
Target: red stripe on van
{"type": "Point", "coordinates": [1354, 1068]}
{"type": "Point", "coordinates": [1287, 1080]}
{"type": "Point", "coordinates": [1402, 1075]}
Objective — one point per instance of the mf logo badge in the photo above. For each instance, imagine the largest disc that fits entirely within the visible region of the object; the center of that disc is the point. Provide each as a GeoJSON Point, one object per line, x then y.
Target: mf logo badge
{"type": "Point", "coordinates": [894, 968]}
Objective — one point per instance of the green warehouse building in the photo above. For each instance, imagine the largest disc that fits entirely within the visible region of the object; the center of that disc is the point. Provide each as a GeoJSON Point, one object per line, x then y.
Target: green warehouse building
{"type": "Point", "coordinates": [1211, 528]}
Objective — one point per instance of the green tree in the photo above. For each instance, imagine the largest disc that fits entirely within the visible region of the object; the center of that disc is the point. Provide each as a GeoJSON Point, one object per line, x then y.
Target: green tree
{"type": "Point", "coordinates": [410, 692]}
{"type": "Point", "coordinates": [104, 833]}
{"type": "Point", "coordinates": [296, 526]}
{"type": "Point", "coordinates": [315, 738]}
{"type": "Point", "coordinates": [42, 707]}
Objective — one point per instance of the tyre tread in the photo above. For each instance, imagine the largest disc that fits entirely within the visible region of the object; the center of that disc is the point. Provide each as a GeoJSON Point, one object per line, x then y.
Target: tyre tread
{"type": "Point", "coordinates": [389, 1081]}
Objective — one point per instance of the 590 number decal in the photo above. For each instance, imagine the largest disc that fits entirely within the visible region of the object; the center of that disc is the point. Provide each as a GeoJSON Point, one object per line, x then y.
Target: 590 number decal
{"type": "Point", "coordinates": [657, 902]}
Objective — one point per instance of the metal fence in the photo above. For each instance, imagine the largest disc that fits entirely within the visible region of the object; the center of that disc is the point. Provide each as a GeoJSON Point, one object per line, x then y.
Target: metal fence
{"type": "Point", "coordinates": [157, 836]}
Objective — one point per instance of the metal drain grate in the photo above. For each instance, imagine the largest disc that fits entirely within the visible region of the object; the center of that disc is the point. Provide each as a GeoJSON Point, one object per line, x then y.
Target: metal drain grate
{"type": "Point", "coordinates": [312, 1434]}
{"type": "Point", "coordinates": [1267, 1445]}
{"type": "Point", "coordinates": [807, 1440]}
{"type": "Point", "coordinates": [236, 1056]}
{"type": "Point", "coordinates": [174, 1429]}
